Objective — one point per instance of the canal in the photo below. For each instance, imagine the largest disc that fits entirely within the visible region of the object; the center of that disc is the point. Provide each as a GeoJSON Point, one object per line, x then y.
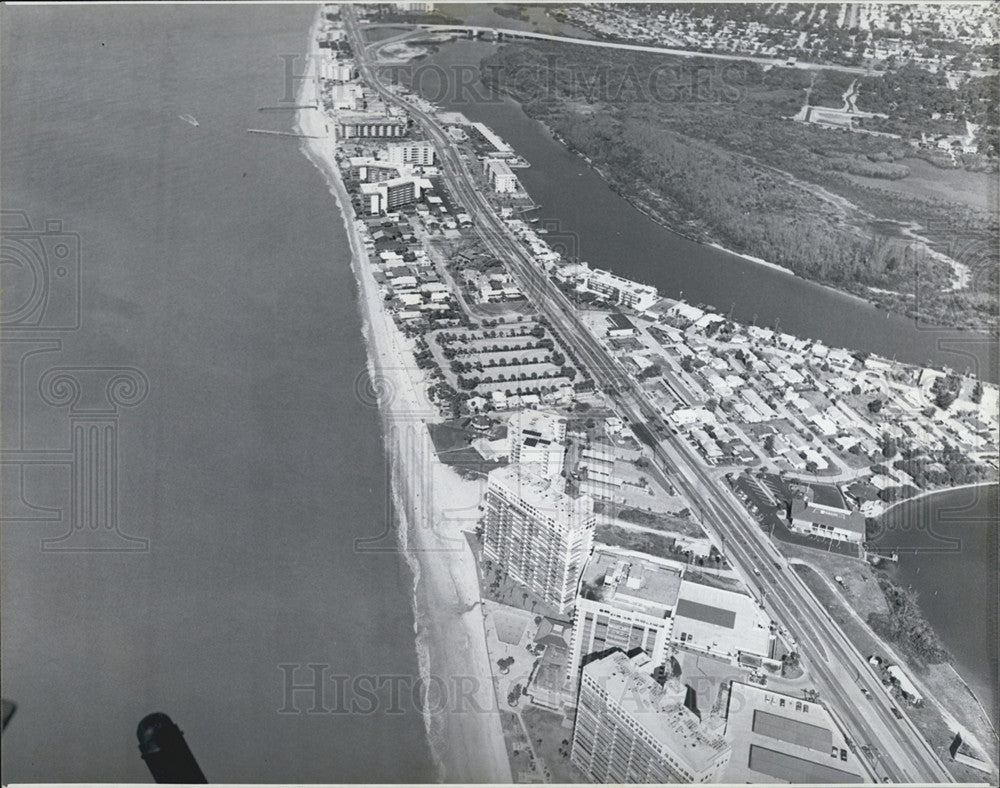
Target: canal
{"type": "Point", "coordinates": [586, 218]}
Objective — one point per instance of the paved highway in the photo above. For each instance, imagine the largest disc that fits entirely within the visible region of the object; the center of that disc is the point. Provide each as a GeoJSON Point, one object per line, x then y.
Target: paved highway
{"type": "Point", "coordinates": [840, 672]}
{"type": "Point", "coordinates": [763, 61]}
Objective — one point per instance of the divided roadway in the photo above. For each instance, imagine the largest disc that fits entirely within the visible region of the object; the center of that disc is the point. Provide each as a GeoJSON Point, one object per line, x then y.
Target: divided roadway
{"type": "Point", "coordinates": [839, 669]}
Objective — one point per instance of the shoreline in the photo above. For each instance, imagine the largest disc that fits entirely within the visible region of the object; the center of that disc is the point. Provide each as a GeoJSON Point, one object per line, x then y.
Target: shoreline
{"type": "Point", "coordinates": [433, 507]}
{"type": "Point", "coordinates": [951, 663]}
{"type": "Point", "coordinates": [939, 491]}
{"type": "Point", "coordinates": [920, 676]}
{"type": "Point", "coordinates": [444, 606]}
{"type": "Point", "coordinates": [649, 212]}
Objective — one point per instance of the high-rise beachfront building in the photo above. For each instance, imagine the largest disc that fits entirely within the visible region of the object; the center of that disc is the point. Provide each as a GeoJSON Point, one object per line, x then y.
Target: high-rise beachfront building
{"type": "Point", "coordinates": [537, 441]}
{"type": "Point", "coordinates": [630, 729]}
{"type": "Point", "coordinates": [415, 153]}
{"type": "Point", "coordinates": [626, 601]}
{"type": "Point", "coordinates": [388, 195]}
{"type": "Point", "coordinates": [537, 533]}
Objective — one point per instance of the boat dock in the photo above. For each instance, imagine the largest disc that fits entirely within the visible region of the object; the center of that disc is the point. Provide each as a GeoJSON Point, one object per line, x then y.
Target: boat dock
{"type": "Point", "coordinates": [282, 133]}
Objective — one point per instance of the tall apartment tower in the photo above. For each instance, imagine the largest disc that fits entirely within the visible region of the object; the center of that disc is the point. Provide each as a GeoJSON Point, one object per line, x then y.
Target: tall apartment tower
{"type": "Point", "coordinates": [627, 601]}
{"type": "Point", "coordinates": [629, 729]}
{"type": "Point", "coordinates": [536, 532]}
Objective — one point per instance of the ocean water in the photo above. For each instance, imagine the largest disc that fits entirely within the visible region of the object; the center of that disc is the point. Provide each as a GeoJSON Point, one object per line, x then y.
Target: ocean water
{"type": "Point", "coordinates": [214, 263]}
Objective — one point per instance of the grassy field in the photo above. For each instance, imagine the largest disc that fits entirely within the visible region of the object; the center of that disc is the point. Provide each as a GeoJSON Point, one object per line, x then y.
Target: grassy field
{"type": "Point", "coordinates": [518, 748]}
{"type": "Point", "coordinates": [927, 182]}
{"type": "Point", "coordinates": [662, 522]}
{"type": "Point", "coordinates": [643, 542]}
{"type": "Point", "coordinates": [859, 635]}
{"type": "Point", "coordinates": [552, 743]}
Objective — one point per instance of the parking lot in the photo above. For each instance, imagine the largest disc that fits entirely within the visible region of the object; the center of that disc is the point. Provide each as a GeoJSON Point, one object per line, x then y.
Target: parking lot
{"type": "Point", "coordinates": [772, 516]}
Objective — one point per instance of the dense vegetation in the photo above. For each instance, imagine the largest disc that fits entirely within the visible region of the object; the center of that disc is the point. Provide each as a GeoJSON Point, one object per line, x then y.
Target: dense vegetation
{"type": "Point", "coordinates": [904, 624]}
{"type": "Point", "coordinates": [710, 150]}
{"type": "Point", "coordinates": [914, 97]}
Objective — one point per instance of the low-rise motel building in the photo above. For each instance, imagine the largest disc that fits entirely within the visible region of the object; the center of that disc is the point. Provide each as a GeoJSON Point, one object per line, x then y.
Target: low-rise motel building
{"type": "Point", "coordinates": [631, 729]}
{"type": "Point", "coordinates": [354, 126]}
{"type": "Point", "coordinates": [500, 176]}
{"type": "Point", "coordinates": [539, 534]}
{"type": "Point", "coordinates": [781, 738]}
{"type": "Point", "coordinates": [620, 290]}
{"type": "Point", "coordinates": [830, 522]}
{"type": "Point", "coordinates": [726, 624]}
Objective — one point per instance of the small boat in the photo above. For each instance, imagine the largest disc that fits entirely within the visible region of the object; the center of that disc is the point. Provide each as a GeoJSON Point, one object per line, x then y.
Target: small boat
{"type": "Point", "coordinates": [189, 119]}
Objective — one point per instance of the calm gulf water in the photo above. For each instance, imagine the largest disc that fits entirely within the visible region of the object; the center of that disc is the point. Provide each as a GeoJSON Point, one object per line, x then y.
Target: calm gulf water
{"type": "Point", "coordinates": [589, 219]}
{"type": "Point", "coordinates": [947, 547]}
{"type": "Point", "coordinates": [215, 262]}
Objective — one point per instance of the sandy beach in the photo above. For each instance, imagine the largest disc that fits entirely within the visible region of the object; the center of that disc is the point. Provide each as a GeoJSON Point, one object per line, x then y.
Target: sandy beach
{"type": "Point", "coordinates": [434, 507]}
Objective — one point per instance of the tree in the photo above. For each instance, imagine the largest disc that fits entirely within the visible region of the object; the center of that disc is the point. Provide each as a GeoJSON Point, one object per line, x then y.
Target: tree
{"type": "Point", "coordinates": [944, 397]}
{"type": "Point", "coordinates": [875, 406]}
{"type": "Point", "coordinates": [977, 392]}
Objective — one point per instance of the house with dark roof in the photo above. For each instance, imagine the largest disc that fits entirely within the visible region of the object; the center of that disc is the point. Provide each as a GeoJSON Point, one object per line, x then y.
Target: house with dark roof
{"type": "Point", "coordinates": [620, 326]}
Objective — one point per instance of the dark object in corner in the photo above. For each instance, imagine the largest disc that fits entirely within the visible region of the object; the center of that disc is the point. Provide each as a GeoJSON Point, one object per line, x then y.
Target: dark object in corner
{"type": "Point", "coordinates": [165, 752]}
{"type": "Point", "coordinates": [7, 709]}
